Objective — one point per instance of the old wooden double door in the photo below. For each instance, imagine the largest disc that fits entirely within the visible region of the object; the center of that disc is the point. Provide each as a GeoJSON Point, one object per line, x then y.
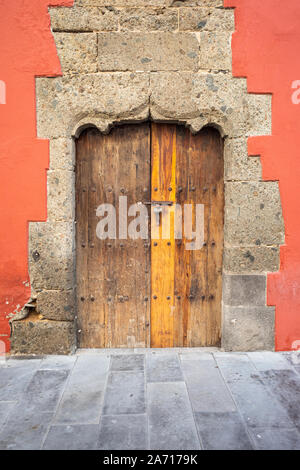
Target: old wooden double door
{"type": "Point", "coordinates": [143, 290]}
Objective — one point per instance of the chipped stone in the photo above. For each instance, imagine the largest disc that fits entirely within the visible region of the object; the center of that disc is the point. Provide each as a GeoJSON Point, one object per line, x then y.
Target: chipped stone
{"type": "Point", "coordinates": [206, 19]}
{"type": "Point", "coordinates": [42, 337]}
{"type": "Point", "coordinates": [119, 95]}
{"type": "Point", "coordinates": [56, 305]}
{"type": "Point", "coordinates": [84, 19]}
{"type": "Point", "coordinates": [77, 52]}
{"type": "Point", "coordinates": [251, 259]}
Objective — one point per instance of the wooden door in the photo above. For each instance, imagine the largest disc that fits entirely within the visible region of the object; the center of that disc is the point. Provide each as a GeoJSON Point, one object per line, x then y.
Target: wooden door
{"type": "Point", "coordinates": [113, 275]}
{"type": "Point", "coordinates": [187, 284]}
{"type": "Point", "coordinates": [163, 166]}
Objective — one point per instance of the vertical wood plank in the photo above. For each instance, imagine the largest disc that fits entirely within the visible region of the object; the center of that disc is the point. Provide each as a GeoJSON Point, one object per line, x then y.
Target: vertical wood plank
{"type": "Point", "coordinates": [163, 158]}
{"type": "Point", "coordinates": [116, 309]}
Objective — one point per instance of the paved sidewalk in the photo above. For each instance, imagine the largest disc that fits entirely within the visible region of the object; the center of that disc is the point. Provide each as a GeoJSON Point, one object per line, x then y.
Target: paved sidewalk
{"type": "Point", "coordinates": [154, 399]}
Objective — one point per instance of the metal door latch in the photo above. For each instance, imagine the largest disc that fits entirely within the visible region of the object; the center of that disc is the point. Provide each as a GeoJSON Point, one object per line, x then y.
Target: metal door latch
{"type": "Point", "coordinates": [157, 211]}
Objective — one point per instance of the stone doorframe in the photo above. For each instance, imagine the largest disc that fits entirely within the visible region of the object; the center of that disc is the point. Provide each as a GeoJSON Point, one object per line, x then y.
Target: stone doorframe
{"type": "Point", "coordinates": [204, 93]}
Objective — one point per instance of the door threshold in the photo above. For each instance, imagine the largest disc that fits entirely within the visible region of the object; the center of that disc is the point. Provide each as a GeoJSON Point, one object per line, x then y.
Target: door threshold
{"type": "Point", "coordinates": [114, 351]}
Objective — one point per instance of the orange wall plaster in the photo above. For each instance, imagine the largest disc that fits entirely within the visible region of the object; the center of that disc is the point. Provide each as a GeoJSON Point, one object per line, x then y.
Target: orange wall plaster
{"type": "Point", "coordinates": [27, 50]}
{"type": "Point", "coordinates": [266, 51]}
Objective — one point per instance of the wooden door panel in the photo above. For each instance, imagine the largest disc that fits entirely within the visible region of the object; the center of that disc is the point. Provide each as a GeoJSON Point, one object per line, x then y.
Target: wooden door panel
{"type": "Point", "coordinates": [113, 276]}
{"type": "Point", "coordinates": [187, 284]}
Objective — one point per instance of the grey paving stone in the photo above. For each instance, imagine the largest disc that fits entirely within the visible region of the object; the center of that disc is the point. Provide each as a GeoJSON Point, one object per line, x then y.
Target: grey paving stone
{"type": "Point", "coordinates": [171, 421]}
{"type": "Point", "coordinates": [44, 390]}
{"type": "Point", "coordinates": [276, 439]}
{"type": "Point", "coordinates": [163, 368]}
{"type": "Point", "coordinates": [15, 377]}
{"type": "Point", "coordinates": [83, 397]}
{"type": "Point", "coordinates": [206, 387]}
{"type": "Point", "coordinates": [293, 359]}
{"type": "Point", "coordinates": [255, 402]}
{"type": "Point", "coordinates": [123, 432]}
{"type": "Point", "coordinates": [125, 393]}
{"type": "Point", "coordinates": [24, 430]}
{"type": "Point", "coordinates": [268, 360]}
{"type": "Point", "coordinates": [127, 362]}
{"type": "Point", "coordinates": [13, 361]}
{"type": "Point", "coordinates": [75, 437]}
{"type": "Point", "coordinates": [5, 410]}
{"type": "Point", "coordinates": [223, 431]}
{"type": "Point", "coordinates": [285, 385]}
{"type": "Point", "coordinates": [58, 362]}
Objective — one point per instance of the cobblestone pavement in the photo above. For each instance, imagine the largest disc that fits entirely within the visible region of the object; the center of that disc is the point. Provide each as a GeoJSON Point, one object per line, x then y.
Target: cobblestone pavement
{"type": "Point", "coordinates": [151, 399]}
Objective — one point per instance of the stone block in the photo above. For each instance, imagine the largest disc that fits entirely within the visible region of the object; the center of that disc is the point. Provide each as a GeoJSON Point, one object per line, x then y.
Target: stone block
{"type": "Point", "coordinates": [171, 422]}
{"type": "Point", "coordinates": [56, 305]}
{"type": "Point", "coordinates": [82, 399]}
{"type": "Point", "coordinates": [241, 290]}
{"type": "Point", "coordinates": [62, 102]}
{"type": "Point", "coordinates": [51, 255]}
{"type": "Point", "coordinates": [172, 94]}
{"type": "Point", "coordinates": [253, 212]}
{"type": "Point", "coordinates": [222, 431]}
{"type": "Point", "coordinates": [42, 337]}
{"type": "Point", "coordinates": [251, 259]}
{"type": "Point", "coordinates": [128, 432]}
{"type": "Point", "coordinates": [84, 19]}
{"type": "Point", "coordinates": [193, 3]}
{"type": "Point", "coordinates": [77, 52]}
{"type": "Point", "coordinates": [78, 437]}
{"type": "Point", "coordinates": [206, 388]}
{"type": "Point", "coordinates": [215, 51]}
{"type": "Point", "coordinates": [24, 430]}
{"type": "Point", "coordinates": [256, 402]}
{"type": "Point", "coordinates": [206, 19]}
{"type": "Point", "coordinates": [62, 154]}
{"type": "Point", "coordinates": [259, 110]}
{"type": "Point", "coordinates": [248, 328]}
{"type": "Point", "coordinates": [238, 166]}
{"type": "Point", "coordinates": [148, 51]}
{"type": "Point", "coordinates": [127, 362]}
{"type": "Point", "coordinates": [225, 96]}
{"type": "Point", "coordinates": [163, 368]}
{"type": "Point", "coordinates": [44, 391]}
{"type": "Point", "coordinates": [125, 3]}
{"type": "Point", "coordinates": [149, 19]}
{"type": "Point", "coordinates": [60, 202]}
{"type": "Point", "coordinates": [125, 393]}
{"type": "Point", "coordinates": [276, 439]}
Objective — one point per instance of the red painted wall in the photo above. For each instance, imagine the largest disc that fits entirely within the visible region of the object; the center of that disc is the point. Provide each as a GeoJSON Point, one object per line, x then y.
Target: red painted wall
{"type": "Point", "coordinates": [265, 50]}
{"type": "Point", "coordinates": [27, 49]}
